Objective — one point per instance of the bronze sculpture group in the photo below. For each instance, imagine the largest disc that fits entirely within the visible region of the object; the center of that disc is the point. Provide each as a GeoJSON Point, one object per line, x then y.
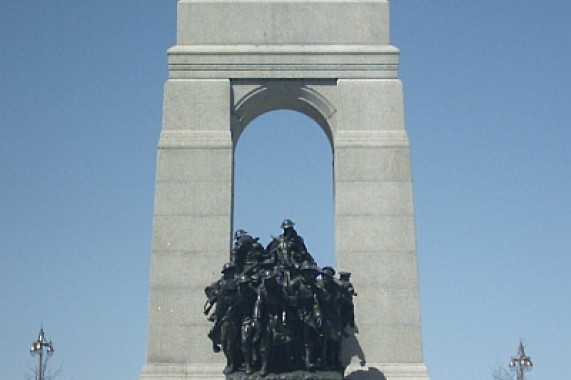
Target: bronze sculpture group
{"type": "Point", "coordinates": [275, 310]}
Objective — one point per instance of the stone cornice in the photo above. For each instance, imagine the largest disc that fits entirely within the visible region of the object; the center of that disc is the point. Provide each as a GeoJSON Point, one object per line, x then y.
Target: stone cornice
{"type": "Point", "coordinates": [283, 61]}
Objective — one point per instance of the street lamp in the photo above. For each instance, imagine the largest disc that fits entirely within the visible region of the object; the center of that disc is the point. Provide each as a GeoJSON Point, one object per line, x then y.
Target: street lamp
{"type": "Point", "coordinates": [521, 362]}
{"type": "Point", "coordinates": [37, 348]}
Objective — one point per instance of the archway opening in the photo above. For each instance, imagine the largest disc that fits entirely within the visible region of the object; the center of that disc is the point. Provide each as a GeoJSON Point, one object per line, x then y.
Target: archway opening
{"type": "Point", "coordinates": [283, 168]}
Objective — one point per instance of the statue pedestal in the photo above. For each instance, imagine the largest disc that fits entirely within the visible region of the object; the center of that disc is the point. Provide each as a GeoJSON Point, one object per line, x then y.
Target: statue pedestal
{"type": "Point", "coordinates": [182, 371]}
{"type": "Point", "coordinates": [214, 372]}
{"type": "Point", "coordinates": [391, 371]}
{"type": "Point", "coordinates": [295, 375]}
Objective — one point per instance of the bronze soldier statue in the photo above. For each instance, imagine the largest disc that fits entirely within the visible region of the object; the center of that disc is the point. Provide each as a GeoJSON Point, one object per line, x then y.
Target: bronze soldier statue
{"type": "Point", "coordinates": [246, 252]}
{"type": "Point", "coordinates": [289, 251]}
{"type": "Point", "coordinates": [226, 330]}
{"type": "Point", "coordinates": [330, 299]}
{"type": "Point", "coordinates": [246, 300]}
{"type": "Point", "coordinates": [347, 307]}
{"type": "Point", "coordinates": [304, 299]}
{"type": "Point", "coordinates": [269, 314]}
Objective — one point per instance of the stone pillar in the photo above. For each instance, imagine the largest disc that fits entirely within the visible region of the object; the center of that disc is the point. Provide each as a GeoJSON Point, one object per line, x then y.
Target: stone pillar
{"type": "Point", "coordinates": [375, 232]}
{"type": "Point", "coordinates": [192, 225]}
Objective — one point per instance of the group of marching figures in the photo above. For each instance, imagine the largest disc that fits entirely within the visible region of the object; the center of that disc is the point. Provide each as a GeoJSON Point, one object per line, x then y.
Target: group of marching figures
{"type": "Point", "coordinates": [274, 310]}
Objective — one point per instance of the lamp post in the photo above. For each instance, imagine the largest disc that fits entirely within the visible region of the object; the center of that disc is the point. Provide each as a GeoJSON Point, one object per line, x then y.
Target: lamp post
{"type": "Point", "coordinates": [37, 348]}
{"type": "Point", "coordinates": [521, 363]}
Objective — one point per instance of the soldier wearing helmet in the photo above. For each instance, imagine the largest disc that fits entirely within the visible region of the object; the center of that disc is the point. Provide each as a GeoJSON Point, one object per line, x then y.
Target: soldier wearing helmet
{"type": "Point", "coordinates": [246, 252]}
{"type": "Point", "coordinates": [289, 248]}
{"type": "Point", "coordinates": [303, 293]}
{"type": "Point", "coordinates": [348, 292]}
{"type": "Point", "coordinates": [226, 317]}
{"type": "Point", "coordinates": [269, 312]}
{"type": "Point", "coordinates": [246, 299]}
{"type": "Point", "coordinates": [330, 299]}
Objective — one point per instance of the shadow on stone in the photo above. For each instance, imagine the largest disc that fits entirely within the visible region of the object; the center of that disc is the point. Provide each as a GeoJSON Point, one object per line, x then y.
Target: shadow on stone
{"type": "Point", "coordinates": [352, 348]}
{"type": "Point", "coordinates": [370, 374]}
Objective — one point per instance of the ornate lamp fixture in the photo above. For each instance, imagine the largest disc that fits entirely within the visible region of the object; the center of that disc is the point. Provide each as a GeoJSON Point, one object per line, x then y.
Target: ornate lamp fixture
{"type": "Point", "coordinates": [37, 348]}
{"type": "Point", "coordinates": [521, 363]}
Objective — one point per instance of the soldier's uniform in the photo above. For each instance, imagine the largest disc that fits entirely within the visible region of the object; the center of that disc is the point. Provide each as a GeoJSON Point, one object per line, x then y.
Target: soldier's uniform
{"type": "Point", "coordinates": [304, 298]}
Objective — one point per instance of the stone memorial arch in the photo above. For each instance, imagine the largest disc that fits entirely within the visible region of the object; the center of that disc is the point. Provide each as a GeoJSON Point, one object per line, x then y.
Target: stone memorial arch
{"type": "Point", "coordinates": [332, 61]}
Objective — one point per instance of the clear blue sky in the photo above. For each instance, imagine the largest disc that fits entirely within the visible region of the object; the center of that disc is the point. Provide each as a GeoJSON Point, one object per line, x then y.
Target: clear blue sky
{"type": "Point", "coordinates": [488, 111]}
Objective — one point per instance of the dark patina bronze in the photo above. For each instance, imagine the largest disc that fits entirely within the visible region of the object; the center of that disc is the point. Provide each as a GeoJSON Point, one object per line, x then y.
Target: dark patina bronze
{"type": "Point", "coordinates": [276, 314]}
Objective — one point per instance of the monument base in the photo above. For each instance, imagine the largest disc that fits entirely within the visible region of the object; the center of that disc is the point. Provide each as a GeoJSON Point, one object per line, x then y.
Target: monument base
{"type": "Point", "coordinates": [294, 375]}
{"type": "Point", "coordinates": [213, 371]}
{"type": "Point", "coordinates": [182, 371]}
{"type": "Point", "coordinates": [390, 371]}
